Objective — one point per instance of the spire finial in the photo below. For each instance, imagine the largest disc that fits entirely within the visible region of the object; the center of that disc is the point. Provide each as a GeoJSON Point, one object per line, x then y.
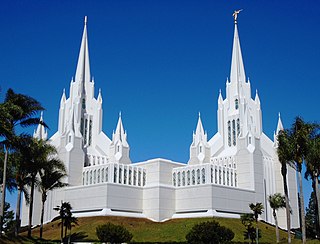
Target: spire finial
{"type": "Point", "coordinates": [279, 115]}
{"type": "Point", "coordinates": [199, 114]}
{"type": "Point", "coordinates": [235, 15]}
{"type": "Point", "coordinates": [120, 114]}
{"type": "Point", "coordinates": [85, 20]}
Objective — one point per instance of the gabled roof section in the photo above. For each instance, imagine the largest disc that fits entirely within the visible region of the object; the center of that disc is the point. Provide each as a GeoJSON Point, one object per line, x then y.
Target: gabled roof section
{"type": "Point", "coordinates": [83, 67]}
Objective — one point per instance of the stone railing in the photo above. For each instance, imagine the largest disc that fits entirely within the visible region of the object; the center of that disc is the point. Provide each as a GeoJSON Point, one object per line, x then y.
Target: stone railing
{"type": "Point", "coordinates": [125, 174]}
{"type": "Point", "coordinates": [219, 172]}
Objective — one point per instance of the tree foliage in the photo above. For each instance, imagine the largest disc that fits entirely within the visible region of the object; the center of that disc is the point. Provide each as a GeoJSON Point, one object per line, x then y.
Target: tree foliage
{"type": "Point", "coordinates": [311, 217]}
{"type": "Point", "coordinates": [209, 232]}
{"type": "Point", "coordinates": [113, 233]}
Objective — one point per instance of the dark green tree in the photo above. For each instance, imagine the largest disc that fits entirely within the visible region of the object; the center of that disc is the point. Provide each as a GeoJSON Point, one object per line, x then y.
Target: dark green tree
{"type": "Point", "coordinates": [17, 110]}
{"type": "Point", "coordinates": [113, 233]}
{"type": "Point", "coordinates": [7, 217]}
{"type": "Point", "coordinates": [250, 233]}
{"type": "Point", "coordinates": [50, 178]}
{"type": "Point", "coordinates": [311, 217]}
{"type": "Point", "coordinates": [276, 202]}
{"type": "Point", "coordinates": [209, 232]}
{"type": "Point", "coordinates": [257, 210]}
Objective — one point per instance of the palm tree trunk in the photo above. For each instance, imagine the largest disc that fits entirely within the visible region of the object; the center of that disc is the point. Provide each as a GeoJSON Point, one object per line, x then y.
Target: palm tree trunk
{"type": "Point", "coordinates": [276, 222]}
{"type": "Point", "coordinates": [285, 187]}
{"type": "Point", "coordinates": [41, 219]}
{"type": "Point", "coordinates": [302, 212]}
{"type": "Point", "coordinates": [257, 232]}
{"type": "Point", "coordinates": [18, 220]}
{"type": "Point", "coordinates": [61, 234]}
{"type": "Point", "coordinates": [3, 197]}
{"type": "Point", "coordinates": [317, 197]}
{"type": "Point", "coordinates": [31, 206]}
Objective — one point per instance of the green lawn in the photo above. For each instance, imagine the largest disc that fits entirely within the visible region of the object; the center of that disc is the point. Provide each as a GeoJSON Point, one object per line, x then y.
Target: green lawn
{"type": "Point", "coordinates": [144, 230]}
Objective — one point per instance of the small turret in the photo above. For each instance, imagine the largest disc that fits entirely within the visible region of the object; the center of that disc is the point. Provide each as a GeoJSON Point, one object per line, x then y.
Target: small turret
{"type": "Point", "coordinates": [41, 132]}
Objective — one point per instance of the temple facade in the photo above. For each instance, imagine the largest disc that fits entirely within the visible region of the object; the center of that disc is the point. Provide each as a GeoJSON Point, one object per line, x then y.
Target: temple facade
{"type": "Point", "coordinates": [225, 173]}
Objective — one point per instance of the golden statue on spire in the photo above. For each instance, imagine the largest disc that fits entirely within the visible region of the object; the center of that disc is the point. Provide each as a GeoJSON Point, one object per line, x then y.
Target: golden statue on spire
{"type": "Point", "coordinates": [235, 15]}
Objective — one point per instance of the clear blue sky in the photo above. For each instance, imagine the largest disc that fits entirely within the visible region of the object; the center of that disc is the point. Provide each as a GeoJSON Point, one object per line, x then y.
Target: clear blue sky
{"type": "Point", "coordinates": [161, 62]}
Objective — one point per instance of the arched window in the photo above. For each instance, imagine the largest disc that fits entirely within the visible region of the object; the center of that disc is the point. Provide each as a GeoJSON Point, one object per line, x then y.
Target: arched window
{"type": "Point", "coordinates": [236, 104]}
{"type": "Point", "coordinates": [229, 133]}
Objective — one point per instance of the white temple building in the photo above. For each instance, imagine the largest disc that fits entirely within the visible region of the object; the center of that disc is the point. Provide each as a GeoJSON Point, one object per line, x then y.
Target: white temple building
{"type": "Point", "coordinates": [236, 167]}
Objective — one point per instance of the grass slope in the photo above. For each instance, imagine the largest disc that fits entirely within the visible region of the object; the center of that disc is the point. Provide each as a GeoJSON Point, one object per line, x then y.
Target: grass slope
{"type": "Point", "coordinates": [144, 230]}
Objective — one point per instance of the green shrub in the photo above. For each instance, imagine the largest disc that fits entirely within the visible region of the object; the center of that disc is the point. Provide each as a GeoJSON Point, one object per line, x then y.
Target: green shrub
{"type": "Point", "coordinates": [113, 233]}
{"type": "Point", "coordinates": [209, 232]}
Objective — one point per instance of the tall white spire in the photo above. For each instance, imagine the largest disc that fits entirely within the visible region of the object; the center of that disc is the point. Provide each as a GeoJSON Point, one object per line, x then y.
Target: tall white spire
{"type": "Point", "coordinates": [237, 73]}
{"type": "Point", "coordinates": [279, 125]}
{"type": "Point", "coordinates": [120, 134]}
{"type": "Point", "coordinates": [83, 67]}
{"type": "Point", "coordinates": [41, 132]}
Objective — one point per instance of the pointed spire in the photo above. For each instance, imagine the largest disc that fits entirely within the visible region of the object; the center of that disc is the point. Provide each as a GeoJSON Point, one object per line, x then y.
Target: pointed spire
{"type": "Point", "coordinates": [99, 96]}
{"type": "Point", "coordinates": [279, 126]}
{"type": "Point", "coordinates": [237, 73]}
{"type": "Point", "coordinates": [257, 99]}
{"type": "Point", "coordinates": [220, 99]}
{"type": "Point", "coordinates": [83, 66]}
{"type": "Point", "coordinates": [199, 129]}
{"type": "Point", "coordinates": [40, 132]}
{"type": "Point", "coordinates": [120, 133]}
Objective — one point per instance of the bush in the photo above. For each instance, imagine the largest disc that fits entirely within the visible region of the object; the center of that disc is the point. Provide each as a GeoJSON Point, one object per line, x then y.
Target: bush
{"type": "Point", "coordinates": [113, 233]}
{"type": "Point", "coordinates": [209, 232]}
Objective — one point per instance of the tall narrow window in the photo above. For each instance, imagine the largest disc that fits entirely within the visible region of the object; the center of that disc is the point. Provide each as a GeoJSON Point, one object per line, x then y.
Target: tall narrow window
{"type": "Point", "coordinates": [174, 179]}
{"type": "Point", "coordinates": [90, 177]}
{"type": "Point", "coordinates": [203, 175]}
{"type": "Point", "coordinates": [120, 175]}
{"type": "Point", "coordinates": [102, 175]}
{"type": "Point", "coordinates": [135, 177]}
{"type": "Point", "coordinates": [98, 180]}
{"type": "Point", "coordinates": [144, 178]}
{"type": "Point", "coordinates": [83, 103]}
{"type": "Point", "coordinates": [179, 179]}
{"type": "Point", "coordinates": [198, 176]}
{"type": "Point", "coordinates": [139, 178]}
{"type": "Point", "coordinates": [193, 177]}
{"type": "Point", "coordinates": [107, 174]}
{"type": "Point", "coordinates": [115, 175]}
{"type": "Point", "coordinates": [236, 104]}
{"type": "Point", "coordinates": [183, 178]}
{"type": "Point", "coordinates": [85, 131]}
{"type": "Point", "coordinates": [130, 176]}
{"type": "Point", "coordinates": [229, 133]}
{"type": "Point", "coordinates": [90, 132]}
{"type": "Point", "coordinates": [188, 177]}
{"type": "Point", "coordinates": [94, 176]}
{"type": "Point", "coordinates": [124, 176]}
{"type": "Point", "coordinates": [234, 132]}
{"type": "Point", "coordinates": [81, 126]}
{"type": "Point", "coordinates": [238, 127]}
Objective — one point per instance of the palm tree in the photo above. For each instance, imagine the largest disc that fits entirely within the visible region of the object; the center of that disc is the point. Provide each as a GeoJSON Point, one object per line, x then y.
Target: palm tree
{"type": "Point", "coordinates": [257, 210]}
{"type": "Point", "coordinates": [313, 168]}
{"type": "Point", "coordinates": [301, 133]}
{"type": "Point", "coordinates": [276, 202]}
{"type": "Point", "coordinates": [284, 154]}
{"type": "Point", "coordinates": [50, 179]}
{"type": "Point", "coordinates": [17, 110]}
{"type": "Point", "coordinates": [64, 213]}
{"type": "Point", "coordinates": [39, 156]}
